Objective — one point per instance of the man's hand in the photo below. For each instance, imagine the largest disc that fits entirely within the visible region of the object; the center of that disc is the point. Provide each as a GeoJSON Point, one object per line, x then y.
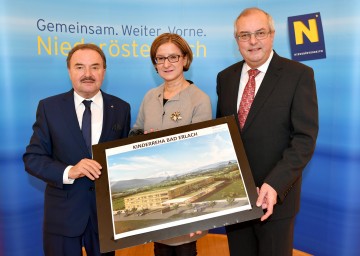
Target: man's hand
{"type": "Point", "coordinates": [86, 167]}
{"type": "Point", "coordinates": [267, 199]}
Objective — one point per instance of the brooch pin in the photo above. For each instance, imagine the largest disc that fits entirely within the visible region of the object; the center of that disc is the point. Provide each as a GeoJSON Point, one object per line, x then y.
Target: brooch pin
{"type": "Point", "coordinates": [175, 116]}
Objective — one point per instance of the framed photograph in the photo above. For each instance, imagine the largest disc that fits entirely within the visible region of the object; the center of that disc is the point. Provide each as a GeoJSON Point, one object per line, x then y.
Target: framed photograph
{"type": "Point", "coordinates": [173, 182]}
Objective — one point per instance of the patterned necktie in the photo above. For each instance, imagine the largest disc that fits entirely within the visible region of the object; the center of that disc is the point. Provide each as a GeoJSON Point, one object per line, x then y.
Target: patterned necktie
{"type": "Point", "coordinates": [86, 124]}
{"type": "Point", "coordinates": [247, 97]}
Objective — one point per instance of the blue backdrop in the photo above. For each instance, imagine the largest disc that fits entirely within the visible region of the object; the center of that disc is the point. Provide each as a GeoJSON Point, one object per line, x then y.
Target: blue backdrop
{"type": "Point", "coordinates": [35, 36]}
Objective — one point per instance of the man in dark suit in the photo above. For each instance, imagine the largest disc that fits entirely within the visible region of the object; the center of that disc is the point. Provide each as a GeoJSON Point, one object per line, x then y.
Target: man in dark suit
{"type": "Point", "coordinates": [58, 154]}
{"type": "Point", "coordinates": [279, 132]}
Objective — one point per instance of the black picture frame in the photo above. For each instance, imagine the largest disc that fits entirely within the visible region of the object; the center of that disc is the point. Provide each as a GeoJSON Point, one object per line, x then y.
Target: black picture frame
{"type": "Point", "coordinates": [197, 196]}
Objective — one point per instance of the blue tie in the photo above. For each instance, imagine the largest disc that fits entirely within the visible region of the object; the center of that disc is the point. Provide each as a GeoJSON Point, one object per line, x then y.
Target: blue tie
{"type": "Point", "coordinates": [86, 124]}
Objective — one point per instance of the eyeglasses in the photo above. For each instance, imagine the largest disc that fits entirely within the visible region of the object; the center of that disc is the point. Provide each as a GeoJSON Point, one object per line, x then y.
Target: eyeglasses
{"type": "Point", "coordinates": [260, 35]}
{"type": "Point", "coordinates": [170, 58]}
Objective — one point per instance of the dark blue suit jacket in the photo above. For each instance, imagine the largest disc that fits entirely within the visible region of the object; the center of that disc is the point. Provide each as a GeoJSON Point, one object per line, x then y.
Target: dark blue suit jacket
{"type": "Point", "coordinates": [56, 143]}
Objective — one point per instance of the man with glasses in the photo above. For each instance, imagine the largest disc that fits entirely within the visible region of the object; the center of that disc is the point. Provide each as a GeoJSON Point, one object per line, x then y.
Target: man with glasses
{"type": "Point", "coordinates": [276, 104]}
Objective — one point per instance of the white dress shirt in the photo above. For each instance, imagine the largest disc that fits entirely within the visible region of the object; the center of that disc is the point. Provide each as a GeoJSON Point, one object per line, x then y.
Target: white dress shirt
{"type": "Point", "coordinates": [96, 108]}
{"type": "Point", "coordinates": [258, 79]}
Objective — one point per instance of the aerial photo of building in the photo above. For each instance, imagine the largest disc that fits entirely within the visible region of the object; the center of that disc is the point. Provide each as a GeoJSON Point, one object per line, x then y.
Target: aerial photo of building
{"type": "Point", "coordinates": [185, 193]}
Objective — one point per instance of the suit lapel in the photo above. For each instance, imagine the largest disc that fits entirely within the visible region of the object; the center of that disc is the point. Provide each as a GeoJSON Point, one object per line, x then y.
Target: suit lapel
{"type": "Point", "coordinates": [108, 117]}
{"type": "Point", "coordinates": [234, 87]}
{"type": "Point", "coordinates": [68, 108]}
{"type": "Point", "coordinates": [267, 86]}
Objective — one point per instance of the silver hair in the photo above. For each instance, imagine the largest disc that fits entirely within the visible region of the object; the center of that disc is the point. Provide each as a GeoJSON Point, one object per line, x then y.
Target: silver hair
{"type": "Point", "coordinates": [251, 10]}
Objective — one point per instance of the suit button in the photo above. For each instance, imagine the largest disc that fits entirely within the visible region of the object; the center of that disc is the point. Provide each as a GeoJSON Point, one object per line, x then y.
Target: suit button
{"type": "Point", "coordinates": [91, 189]}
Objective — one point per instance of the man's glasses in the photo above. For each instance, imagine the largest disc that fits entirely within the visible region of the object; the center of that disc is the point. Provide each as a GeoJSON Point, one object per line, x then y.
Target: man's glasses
{"type": "Point", "coordinates": [170, 58]}
{"type": "Point", "coordinates": [260, 35]}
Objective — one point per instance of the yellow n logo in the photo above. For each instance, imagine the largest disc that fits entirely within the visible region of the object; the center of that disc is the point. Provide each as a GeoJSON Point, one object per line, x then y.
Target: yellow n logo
{"type": "Point", "coordinates": [306, 37]}
{"type": "Point", "coordinates": [310, 32]}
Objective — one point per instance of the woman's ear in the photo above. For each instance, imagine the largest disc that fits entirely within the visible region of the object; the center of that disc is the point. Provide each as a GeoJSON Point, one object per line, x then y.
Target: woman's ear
{"type": "Point", "coordinates": [186, 60]}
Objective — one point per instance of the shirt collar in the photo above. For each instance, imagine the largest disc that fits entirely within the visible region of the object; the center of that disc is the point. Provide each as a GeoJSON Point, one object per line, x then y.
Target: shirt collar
{"type": "Point", "coordinates": [263, 68]}
{"type": "Point", "coordinates": [97, 99]}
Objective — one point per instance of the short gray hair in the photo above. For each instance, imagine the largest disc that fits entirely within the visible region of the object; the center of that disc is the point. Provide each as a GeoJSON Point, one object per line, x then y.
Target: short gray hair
{"type": "Point", "coordinates": [251, 10]}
